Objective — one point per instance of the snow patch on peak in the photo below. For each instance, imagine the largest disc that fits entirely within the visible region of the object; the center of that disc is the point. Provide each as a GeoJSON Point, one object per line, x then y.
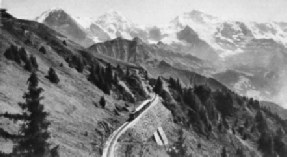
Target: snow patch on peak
{"type": "Point", "coordinates": [113, 17]}
{"type": "Point", "coordinates": [85, 22]}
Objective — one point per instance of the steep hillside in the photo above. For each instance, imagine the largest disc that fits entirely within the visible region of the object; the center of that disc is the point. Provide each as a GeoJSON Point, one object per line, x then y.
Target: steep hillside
{"type": "Point", "coordinates": [76, 116]}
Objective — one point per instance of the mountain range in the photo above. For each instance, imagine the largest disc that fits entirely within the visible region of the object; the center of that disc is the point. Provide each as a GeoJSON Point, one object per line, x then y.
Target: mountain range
{"type": "Point", "coordinates": [129, 96]}
{"type": "Point", "coordinates": [253, 53]}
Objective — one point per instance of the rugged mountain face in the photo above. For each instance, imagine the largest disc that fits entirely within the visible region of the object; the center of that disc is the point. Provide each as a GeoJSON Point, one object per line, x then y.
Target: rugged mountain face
{"type": "Point", "coordinates": [136, 51]}
{"type": "Point", "coordinates": [62, 22]}
{"type": "Point", "coordinates": [126, 50]}
{"type": "Point", "coordinates": [244, 47]}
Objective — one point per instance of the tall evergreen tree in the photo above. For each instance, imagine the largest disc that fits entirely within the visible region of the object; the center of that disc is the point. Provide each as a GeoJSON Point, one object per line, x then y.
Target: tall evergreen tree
{"type": "Point", "coordinates": [158, 86]}
{"type": "Point", "coordinates": [35, 126]}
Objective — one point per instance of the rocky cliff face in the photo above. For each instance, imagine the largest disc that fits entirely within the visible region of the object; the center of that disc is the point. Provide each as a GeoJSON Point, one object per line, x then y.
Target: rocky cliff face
{"type": "Point", "coordinates": [122, 49]}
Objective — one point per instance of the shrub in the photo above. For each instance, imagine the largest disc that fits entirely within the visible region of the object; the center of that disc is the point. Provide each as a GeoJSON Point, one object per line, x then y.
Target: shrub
{"type": "Point", "coordinates": [52, 76]}
{"type": "Point", "coordinates": [64, 42]}
{"type": "Point", "coordinates": [42, 49]}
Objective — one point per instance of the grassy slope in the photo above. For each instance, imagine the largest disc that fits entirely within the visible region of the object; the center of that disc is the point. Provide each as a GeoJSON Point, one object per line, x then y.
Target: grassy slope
{"type": "Point", "coordinates": [70, 103]}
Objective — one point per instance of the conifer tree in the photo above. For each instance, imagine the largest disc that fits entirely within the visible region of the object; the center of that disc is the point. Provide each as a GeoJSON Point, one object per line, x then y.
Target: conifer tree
{"type": "Point", "coordinates": [80, 65]}
{"type": "Point", "coordinates": [115, 80]}
{"type": "Point", "coordinates": [23, 54]}
{"type": "Point", "coordinates": [158, 86]}
{"type": "Point", "coordinates": [28, 65]}
{"type": "Point", "coordinates": [34, 128]}
{"type": "Point", "coordinates": [109, 74]}
{"type": "Point", "coordinates": [33, 61]}
{"type": "Point", "coordinates": [92, 76]}
{"type": "Point", "coordinates": [102, 102]}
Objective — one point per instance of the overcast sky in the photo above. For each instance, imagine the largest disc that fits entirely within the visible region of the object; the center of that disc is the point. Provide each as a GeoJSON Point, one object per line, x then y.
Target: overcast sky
{"type": "Point", "coordinates": [155, 11]}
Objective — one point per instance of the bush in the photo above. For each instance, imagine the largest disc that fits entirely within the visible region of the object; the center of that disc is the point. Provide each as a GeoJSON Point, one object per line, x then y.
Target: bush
{"type": "Point", "coordinates": [12, 54]}
{"type": "Point", "coordinates": [42, 49]}
{"type": "Point", "coordinates": [64, 42]}
{"type": "Point", "coordinates": [52, 76]}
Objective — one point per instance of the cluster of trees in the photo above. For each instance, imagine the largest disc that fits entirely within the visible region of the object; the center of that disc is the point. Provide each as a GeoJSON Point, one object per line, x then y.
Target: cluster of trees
{"type": "Point", "coordinates": [19, 55]}
{"type": "Point", "coordinates": [205, 107]}
{"type": "Point", "coordinates": [103, 77]}
{"type": "Point", "coordinates": [76, 62]}
{"type": "Point", "coordinates": [271, 144]}
{"type": "Point", "coordinates": [32, 140]}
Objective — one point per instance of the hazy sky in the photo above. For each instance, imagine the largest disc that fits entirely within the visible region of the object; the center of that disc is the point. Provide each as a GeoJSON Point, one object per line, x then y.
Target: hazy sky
{"type": "Point", "coordinates": [155, 11]}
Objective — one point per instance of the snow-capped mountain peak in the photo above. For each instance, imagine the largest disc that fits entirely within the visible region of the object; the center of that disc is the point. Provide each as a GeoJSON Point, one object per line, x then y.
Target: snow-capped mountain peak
{"type": "Point", "coordinates": [45, 14]}
{"type": "Point", "coordinates": [113, 17]}
{"type": "Point", "coordinates": [115, 24]}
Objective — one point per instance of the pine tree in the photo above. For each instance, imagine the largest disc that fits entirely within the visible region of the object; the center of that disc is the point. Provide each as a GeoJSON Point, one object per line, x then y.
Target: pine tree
{"type": "Point", "coordinates": [35, 125]}
{"type": "Point", "coordinates": [23, 54]}
{"type": "Point", "coordinates": [109, 75]}
{"type": "Point", "coordinates": [28, 65]}
{"type": "Point", "coordinates": [80, 65]}
{"type": "Point", "coordinates": [33, 61]}
{"type": "Point", "coordinates": [115, 80]}
{"type": "Point", "coordinates": [158, 86]}
{"type": "Point", "coordinates": [52, 76]}
{"type": "Point", "coordinates": [92, 76]}
{"type": "Point", "coordinates": [102, 102]}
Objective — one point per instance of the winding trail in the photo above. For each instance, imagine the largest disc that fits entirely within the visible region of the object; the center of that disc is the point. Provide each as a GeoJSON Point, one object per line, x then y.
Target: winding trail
{"type": "Point", "coordinates": [111, 143]}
